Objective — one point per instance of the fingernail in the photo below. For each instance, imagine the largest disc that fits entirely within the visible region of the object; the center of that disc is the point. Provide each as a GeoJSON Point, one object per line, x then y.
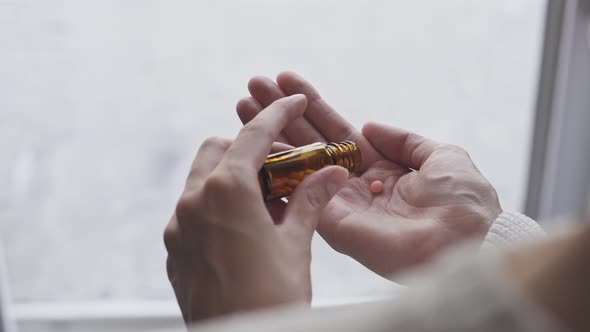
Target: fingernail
{"type": "Point", "coordinates": [298, 97]}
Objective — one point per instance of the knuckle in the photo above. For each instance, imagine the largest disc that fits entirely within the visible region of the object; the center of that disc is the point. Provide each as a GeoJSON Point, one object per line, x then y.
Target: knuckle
{"type": "Point", "coordinates": [216, 192]}
{"type": "Point", "coordinates": [236, 170]}
{"type": "Point", "coordinates": [441, 179]}
{"type": "Point", "coordinates": [170, 236]}
{"type": "Point", "coordinates": [239, 178]}
{"type": "Point", "coordinates": [192, 174]}
{"type": "Point", "coordinates": [258, 129]}
{"type": "Point", "coordinates": [455, 149]}
{"type": "Point", "coordinates": [217, 184]}
{"type": "Point", "coordinates": [215, 142]}
{"type": "Point", "coordinates": [186, 206]}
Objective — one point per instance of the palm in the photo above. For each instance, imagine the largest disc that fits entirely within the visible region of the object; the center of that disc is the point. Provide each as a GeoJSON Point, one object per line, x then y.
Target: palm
{"type": "Point", "coordinates": [417, 213]}
{"type": "Point", "coordinates": [355, 203]}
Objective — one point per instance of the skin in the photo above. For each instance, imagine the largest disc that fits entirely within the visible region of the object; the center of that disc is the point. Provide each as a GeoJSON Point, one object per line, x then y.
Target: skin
{"type": "Point", "coordinates": [226, 251]}
{"type": "Point", "coordinates": [433, 195]}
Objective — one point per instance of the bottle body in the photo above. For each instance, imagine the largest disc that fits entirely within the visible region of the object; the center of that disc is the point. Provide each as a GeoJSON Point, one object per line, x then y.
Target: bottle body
{"type": "Point", "coordinates": [283, 171]}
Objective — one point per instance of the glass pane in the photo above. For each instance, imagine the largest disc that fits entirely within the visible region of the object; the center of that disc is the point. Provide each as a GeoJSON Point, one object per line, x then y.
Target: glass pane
{"type": "Point", "coordinates": [104, 103]}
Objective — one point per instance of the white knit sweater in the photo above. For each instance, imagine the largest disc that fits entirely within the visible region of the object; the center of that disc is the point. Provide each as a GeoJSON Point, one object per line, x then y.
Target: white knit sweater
{"type": "Point", "coordinates": [460, 292]}
{"type": "Point", "coordinates": [511, 228]}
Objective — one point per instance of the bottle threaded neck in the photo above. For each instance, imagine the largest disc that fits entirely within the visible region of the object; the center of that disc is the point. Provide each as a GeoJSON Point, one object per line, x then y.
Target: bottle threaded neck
{"type": "Point", "coordinates": [346, 154]}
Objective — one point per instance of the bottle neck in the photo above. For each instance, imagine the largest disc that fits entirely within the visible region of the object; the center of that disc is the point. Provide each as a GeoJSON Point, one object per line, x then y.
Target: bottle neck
{"type": "Point", "coordinates": [345, 154]}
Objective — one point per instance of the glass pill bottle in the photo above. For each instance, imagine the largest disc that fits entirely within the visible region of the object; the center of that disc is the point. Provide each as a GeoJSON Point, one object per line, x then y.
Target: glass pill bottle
{"type": "Point", "coordinates": [283, 171]}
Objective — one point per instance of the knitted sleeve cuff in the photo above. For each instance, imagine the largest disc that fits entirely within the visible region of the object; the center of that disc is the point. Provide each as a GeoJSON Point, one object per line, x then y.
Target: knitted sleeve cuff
{"type": "Point", "coordinates": [511, 228]}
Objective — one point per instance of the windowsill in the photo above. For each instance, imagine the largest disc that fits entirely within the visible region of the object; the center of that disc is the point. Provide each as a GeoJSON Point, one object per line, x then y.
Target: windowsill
{"type": "Point", "coordinates": [161, 311]}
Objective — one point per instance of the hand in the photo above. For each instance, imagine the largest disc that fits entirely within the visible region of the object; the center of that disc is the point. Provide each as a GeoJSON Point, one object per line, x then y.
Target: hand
{"type": "Point", "coordinates": [225, 251]}
{"type": "Point", "coordinates": [433, 193]}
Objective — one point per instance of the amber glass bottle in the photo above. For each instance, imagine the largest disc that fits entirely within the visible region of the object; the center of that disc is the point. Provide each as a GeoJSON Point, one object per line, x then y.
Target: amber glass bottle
{"type": "Point", "coordinates": [283, 171]}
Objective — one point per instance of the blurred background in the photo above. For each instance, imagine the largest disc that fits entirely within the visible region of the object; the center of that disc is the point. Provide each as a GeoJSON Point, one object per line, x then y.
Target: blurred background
{"type": "Point", "coordinates": [103, 105]}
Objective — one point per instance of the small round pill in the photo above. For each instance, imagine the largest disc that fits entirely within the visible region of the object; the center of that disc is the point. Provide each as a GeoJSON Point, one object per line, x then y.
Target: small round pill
{"type": "Point", "coordinates": [376, 187]}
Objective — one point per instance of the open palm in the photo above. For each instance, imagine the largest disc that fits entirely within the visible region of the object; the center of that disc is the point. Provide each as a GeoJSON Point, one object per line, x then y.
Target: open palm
{"type": "Point", "coordinates": [433, 193]}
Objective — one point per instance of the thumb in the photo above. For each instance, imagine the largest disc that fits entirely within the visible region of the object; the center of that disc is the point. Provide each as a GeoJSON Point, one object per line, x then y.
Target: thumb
{"type": "Point", "coordinates": [307, 203]}
{"type": "Point", "coordinates": [401, 146]}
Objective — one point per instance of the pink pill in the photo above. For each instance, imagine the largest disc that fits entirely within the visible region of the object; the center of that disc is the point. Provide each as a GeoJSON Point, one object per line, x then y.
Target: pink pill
{"type": "Point", "coordinates": [376, 187]}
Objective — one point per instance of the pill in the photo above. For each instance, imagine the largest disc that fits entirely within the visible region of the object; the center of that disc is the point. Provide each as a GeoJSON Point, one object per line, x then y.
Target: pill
{"type": "Point", "coordinates": [376, 187]}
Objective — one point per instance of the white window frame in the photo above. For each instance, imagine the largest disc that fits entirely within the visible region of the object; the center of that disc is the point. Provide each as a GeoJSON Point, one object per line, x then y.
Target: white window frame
{"type": "Point", "coordinates": [6, 316]}
{"type": "Point", "coordinates": [128, 316]}
{"type": "Point", "coordinates": [559, 174]}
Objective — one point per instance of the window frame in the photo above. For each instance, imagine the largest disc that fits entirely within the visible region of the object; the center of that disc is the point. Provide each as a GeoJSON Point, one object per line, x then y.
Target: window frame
{"type": "Point", "coordinates": [559, 171]}
{"type": "Point", "coordinates": [6, 315]}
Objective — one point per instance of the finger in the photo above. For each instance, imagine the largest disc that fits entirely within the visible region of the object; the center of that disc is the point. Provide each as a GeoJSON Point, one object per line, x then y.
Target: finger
{"type": "Point", "coordinates": [251, 146]}
{"type": "Point", "coordinates": [247, 108]}
{"type": "Point", "coordinates": [409, 149]}
{"type": "Point", "coordinates": [325, 119]}
{"type": "Point", "coordinates": [321, 115]}
{"type": "Point", "coordinates": [210, 153]}
{"type": "Point", "coordinates": [307, 203]}
{"type": "Point", "coordinates": [300, 131]}
{"type": "Point", "coordinates": [264, 90]}
{"type": "Point", "coordinates": [276, 209]}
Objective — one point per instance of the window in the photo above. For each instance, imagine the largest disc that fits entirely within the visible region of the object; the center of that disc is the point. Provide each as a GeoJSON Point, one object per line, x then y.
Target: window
{"type": "Point", "coordinates": [104, 104]}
